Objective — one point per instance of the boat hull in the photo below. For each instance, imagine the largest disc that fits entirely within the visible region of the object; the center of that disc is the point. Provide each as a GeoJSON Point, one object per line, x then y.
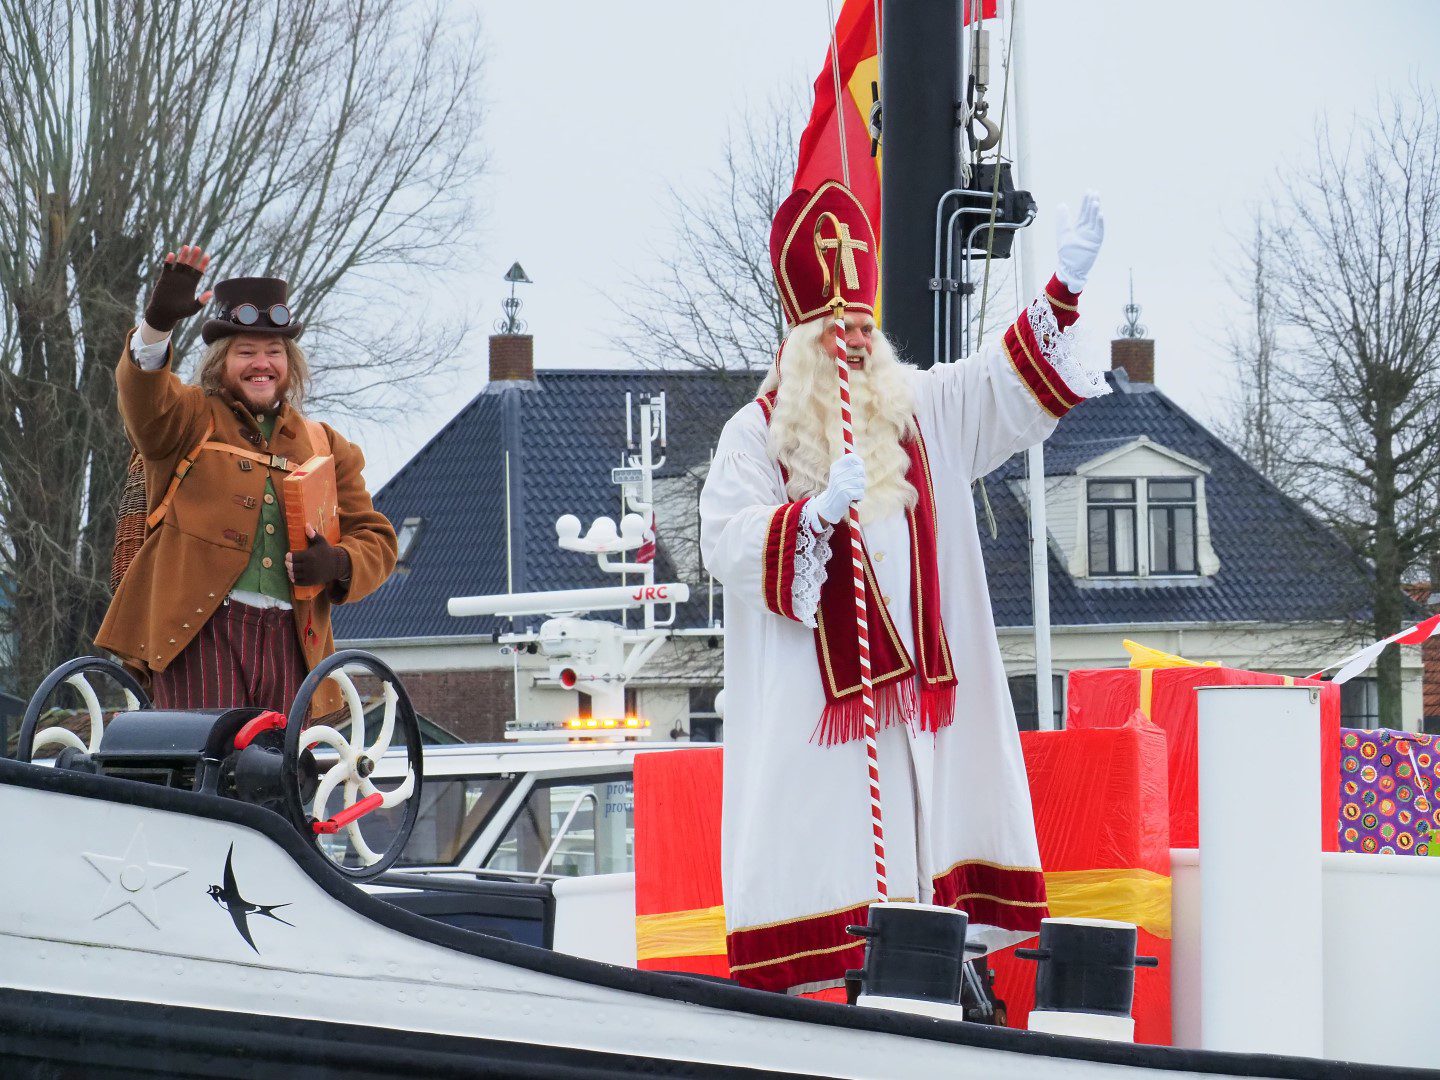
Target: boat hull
{"type": "Point", "coordinates": [145, 928]}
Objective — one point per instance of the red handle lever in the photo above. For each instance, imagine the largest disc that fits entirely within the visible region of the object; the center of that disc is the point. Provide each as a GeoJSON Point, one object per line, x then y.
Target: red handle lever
{"type": "Point", "coordinates": [264, 722]}
{"type": "Point", "coordinates": [349, 814]}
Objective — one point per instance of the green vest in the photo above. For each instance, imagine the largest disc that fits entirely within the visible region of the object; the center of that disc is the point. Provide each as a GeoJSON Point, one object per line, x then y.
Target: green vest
{"type": "Point", "coordinates": [265, 572]}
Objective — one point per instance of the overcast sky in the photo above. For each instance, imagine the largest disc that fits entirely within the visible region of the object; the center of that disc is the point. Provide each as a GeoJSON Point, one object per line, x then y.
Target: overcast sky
{"type": "Point", "coordinates": [1178, 114]}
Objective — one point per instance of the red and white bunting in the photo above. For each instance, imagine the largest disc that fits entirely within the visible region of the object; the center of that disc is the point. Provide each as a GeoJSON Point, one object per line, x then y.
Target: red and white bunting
{"type": "Point", "coordinates": [1356, 663]}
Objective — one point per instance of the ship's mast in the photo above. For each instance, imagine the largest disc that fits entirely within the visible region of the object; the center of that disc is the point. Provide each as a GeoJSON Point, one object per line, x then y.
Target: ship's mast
{"type": "Point", "coordinates": [919, 92]}
{"type": "Point", "coordinates": [950, 205]}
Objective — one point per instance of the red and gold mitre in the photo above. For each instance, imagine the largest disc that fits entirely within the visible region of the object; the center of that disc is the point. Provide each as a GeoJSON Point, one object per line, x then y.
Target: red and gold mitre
{"type": "Point", "coordinates": [822, 241]}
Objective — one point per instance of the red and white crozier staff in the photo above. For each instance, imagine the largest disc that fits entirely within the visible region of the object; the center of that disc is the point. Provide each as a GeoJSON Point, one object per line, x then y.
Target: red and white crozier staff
{"type": "Point", "coordinates": [798, 852]}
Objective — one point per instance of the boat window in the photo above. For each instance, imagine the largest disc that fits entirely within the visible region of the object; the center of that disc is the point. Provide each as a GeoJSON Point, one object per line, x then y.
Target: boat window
{"type": "Point", "coordinates": [599, 839]}
{"type": "Point", "coordinates": [452, 811]}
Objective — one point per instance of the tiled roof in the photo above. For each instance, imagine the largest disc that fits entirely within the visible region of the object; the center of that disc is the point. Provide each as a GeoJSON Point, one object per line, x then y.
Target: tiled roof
{"type": "Point", "coordinates": [1277, 563]}
{"type": "Point", "coordinates": [1062, 459]}
{"type": "Point", "coordinates": [564, 433]}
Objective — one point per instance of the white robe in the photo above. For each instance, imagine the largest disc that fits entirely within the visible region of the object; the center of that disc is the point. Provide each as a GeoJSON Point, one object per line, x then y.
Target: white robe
{"type": "Point", "coordinates": [796, 856]}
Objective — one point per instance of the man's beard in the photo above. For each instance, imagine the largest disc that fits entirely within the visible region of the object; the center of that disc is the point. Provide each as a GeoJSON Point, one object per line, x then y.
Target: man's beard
{"type": "Point", "coordinates": [279, 390]}
{"type": "Point", "coordinates": [805, 433]}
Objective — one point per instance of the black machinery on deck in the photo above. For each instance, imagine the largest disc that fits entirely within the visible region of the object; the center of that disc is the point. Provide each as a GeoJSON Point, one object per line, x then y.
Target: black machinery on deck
{"type": "Point", "coordinates": [255, 755]}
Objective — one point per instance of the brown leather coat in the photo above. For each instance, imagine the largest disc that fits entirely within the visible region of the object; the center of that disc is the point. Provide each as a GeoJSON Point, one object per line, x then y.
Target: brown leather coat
{"type": "Point", "coordinates": [191, 560]}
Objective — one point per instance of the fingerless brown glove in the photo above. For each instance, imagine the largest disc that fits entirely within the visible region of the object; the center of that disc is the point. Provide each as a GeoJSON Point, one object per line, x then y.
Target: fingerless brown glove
{"type": "Point", "coordinates": [173, 297]}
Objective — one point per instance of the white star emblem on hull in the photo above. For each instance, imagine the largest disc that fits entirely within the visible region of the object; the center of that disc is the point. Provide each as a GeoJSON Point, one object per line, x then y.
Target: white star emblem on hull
{"type": "Point", "coordinates": [132, 879]}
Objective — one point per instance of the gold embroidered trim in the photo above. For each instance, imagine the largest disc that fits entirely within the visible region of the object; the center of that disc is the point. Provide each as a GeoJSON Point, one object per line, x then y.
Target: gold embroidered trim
{"type": "Point", "coordinates": [796, 956]}
{"type": "Point", "coordinates": [907, 666]}
{"type": "Point", "coordinates": [1026, 382]}
{"type": "Point", "coordinates": [1035, 364]}
{"type": "Point", "coordinates": [1060, 303]}
{"type": "Point", "coordinates": [789, 289]}
{"type": "Point", "coordinates": [985, 862]}
{"type": "Point", "coordinates": [998, 900]}
{"type": "Point", "coordinates": [915, 588]}
{"type": "Point", "coordinates": [806, 918]}
{"type": "Point", "coordinates": [766, 585]}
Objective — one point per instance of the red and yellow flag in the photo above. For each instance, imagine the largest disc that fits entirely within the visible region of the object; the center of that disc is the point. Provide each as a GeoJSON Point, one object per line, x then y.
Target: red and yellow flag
{"type": "Point", "coordinates": [820, 156]}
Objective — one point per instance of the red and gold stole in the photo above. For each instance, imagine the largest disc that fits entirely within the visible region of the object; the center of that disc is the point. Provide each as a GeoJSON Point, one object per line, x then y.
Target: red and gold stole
{"type": "Point", "coordinates": [923, 698]}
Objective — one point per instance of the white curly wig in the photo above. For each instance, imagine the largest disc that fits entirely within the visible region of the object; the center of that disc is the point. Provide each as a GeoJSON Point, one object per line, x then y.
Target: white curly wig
{"type": "Point", "coordinates": [805, 430]}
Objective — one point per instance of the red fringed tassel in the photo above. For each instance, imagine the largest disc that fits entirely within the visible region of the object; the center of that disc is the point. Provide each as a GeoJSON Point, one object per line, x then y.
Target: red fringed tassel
{"type": "Point", "coordinates": [898, 703]}
{"type": "Point", "coordinates": [937, 708]}
{"type": "Point", "coordinates": [840, 722]}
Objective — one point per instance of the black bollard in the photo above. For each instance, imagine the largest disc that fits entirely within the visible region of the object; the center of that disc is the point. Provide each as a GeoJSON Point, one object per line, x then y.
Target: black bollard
{"type": "Point", "coordinates": [1086, 966]}
{"type": "Point", "coordinates": [913, 951]}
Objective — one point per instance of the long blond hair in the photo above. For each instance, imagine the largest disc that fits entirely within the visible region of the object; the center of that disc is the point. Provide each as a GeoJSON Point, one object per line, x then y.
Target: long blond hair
{"type": "Point", "coordinates": [210, 374]}
{"type": "Point", "coordinates": [805, 431]}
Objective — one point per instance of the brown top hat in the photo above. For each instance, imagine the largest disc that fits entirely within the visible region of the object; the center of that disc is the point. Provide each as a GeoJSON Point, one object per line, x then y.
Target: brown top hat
{"type": "Point", "coordinates": [251, 305]}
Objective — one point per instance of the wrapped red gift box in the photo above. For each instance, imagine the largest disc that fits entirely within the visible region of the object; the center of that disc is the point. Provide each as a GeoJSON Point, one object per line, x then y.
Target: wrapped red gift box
{"type": "Point", "coordinates": [679, 917]}
{"type": "Point", "coordinates": [1100, 804]}
{"type": "Point", "coordinates": [1107, 698]}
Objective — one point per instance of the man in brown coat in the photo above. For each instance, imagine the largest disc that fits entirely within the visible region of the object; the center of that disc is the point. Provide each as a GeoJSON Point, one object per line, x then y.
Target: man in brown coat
{"type": "Point", "coordinates": [206, 607]}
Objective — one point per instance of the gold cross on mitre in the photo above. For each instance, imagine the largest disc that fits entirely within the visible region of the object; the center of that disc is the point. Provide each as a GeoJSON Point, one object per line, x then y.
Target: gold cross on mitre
{"type": "Point", "coordinates": [844, 246]}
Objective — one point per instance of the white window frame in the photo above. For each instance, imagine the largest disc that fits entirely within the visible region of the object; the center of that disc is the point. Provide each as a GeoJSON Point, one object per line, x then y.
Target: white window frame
{"type": "Point", "coordinates": [1136, 506]}
{"type": "Point", "coordinates": [1142, 484]}
{"type": "Point", "coordinates": [1196, 504]}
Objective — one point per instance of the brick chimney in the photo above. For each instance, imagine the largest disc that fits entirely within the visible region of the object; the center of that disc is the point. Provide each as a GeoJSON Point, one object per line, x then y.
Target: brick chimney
{"type": "Point", "coordinates": [1132, 351]}
{"type": "Point", "coordinates": [512, 357]}
{"type": "Point", "coordinates": [1135, 355]}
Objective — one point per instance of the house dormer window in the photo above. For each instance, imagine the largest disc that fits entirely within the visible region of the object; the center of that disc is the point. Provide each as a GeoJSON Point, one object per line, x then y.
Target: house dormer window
{"type": "Point", "coordinates": [1172, 526]}
{"type": "Point", "coordinates": [1144, 527]}
{"type": "Point", "coordinates": [1128, 512]}
{"type": "Point", "coordinates": [1112, 516]}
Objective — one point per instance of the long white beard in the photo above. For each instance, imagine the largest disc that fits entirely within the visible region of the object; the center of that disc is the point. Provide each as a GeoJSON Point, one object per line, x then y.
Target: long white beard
{"type": "Point", "coordinates": [805, 433]}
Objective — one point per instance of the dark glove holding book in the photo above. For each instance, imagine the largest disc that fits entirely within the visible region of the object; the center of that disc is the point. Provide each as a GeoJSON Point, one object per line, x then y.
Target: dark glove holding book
{"type": "Point", "coordinates": [319, 564]}
{"type": "Point", "coordinates": [173, 297]}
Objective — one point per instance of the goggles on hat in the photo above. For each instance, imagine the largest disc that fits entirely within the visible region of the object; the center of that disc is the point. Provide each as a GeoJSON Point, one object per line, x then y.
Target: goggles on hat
{"type": "Point", "coordinates": [249, 314]}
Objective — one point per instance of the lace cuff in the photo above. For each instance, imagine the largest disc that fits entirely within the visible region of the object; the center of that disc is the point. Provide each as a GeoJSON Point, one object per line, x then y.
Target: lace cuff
{"type": "Point", "coordinates": [1057, 349]}
{"type": "Point", "coordinates": [812, 553]}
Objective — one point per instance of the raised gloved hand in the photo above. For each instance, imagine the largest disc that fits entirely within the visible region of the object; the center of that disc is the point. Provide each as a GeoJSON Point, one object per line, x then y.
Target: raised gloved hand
{"type": "Point", "coordinates": [173, 297]}
{"type": "Point", "coordinates": [847, 485]}
{"type": "Point", "coordinates": [320, 563]}
{"type": "Point", "coordinates": [1079, 240]}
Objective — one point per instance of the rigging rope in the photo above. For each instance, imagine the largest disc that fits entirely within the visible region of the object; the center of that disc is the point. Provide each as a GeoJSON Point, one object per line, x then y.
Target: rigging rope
{"type": "Point", "coordinates": [995, 189]}
{"type": "Point", "coordinates": [994, 210]}
{"type": "Point", "coordinates": [879, 51]}
{"type": "Point", "coordinates": [839, 108]}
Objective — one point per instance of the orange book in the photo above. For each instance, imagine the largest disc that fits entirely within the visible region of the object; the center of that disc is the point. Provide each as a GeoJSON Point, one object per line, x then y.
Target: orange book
{"type": "Point", "coordinates": [311, 499]}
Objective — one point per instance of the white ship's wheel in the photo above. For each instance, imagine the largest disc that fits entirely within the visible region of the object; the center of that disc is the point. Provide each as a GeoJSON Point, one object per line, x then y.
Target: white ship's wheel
{"type": "Point", "coordinates": [73, 673]}
{"type": "Point", "coordinates": [350, 836]}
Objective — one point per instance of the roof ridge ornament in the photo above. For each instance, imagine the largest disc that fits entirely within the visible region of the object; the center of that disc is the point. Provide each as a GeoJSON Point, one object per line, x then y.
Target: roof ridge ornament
{"type": "Point", "coordinates": [1132, 327]}
{"type": "Point", "coordinates": [512, 323]}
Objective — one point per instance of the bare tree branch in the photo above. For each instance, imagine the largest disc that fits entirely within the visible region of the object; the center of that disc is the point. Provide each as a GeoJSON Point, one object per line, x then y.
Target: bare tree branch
{"type": "Point", "coordinates": [329, 142]}
{"type": "Point", "coordinates": [1340, 368]}
{"type": "Point", "coordinates": [713, 304]}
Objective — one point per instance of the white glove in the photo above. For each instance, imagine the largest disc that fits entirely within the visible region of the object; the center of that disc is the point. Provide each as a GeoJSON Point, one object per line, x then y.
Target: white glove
{"type": "Point", "coordinates": [1079, 241]}
{"type": "Point", "coordinates": [847, 485]}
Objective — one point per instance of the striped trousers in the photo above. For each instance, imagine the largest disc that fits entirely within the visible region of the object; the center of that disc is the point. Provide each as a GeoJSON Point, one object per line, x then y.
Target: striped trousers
{"type": "Point", "coordinates": [244, 656]}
